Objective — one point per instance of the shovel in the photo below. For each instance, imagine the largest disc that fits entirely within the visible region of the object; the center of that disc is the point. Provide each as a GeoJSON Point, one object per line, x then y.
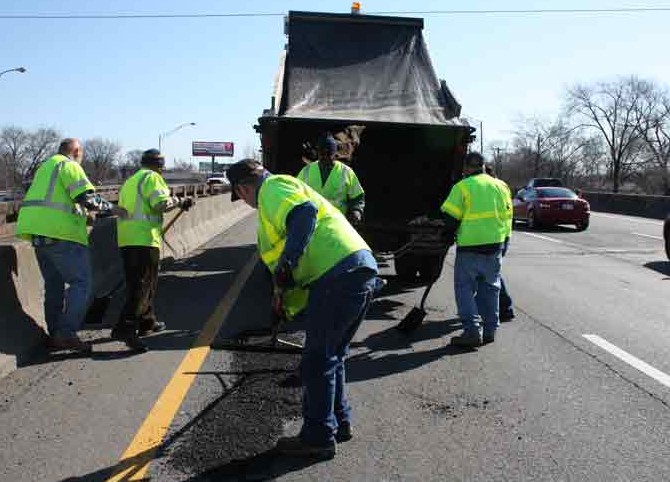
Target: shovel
{"type": "Point", "coordinates": [275, 344]}
{"type": "Point", "coordinates": [416, 315]}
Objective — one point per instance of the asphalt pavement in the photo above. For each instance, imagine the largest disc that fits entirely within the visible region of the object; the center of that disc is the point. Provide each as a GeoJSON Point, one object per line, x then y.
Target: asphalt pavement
{"type": "Point", "coordinates": [572, 389]}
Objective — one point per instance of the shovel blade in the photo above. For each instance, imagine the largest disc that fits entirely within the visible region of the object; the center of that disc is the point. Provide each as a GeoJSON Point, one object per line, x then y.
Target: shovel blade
{"type": "Point", "coordinates": [412, 320]}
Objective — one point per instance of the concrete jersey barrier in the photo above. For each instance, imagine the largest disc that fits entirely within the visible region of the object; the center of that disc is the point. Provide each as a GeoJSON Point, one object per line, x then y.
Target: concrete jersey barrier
{"type": "Point", "coordinates": [22, 327]}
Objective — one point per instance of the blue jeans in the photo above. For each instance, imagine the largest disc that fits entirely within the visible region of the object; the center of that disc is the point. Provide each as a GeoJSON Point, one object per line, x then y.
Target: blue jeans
{"type": "Point", "coordinates": [477, 286]}
{"type": "Point", "coordinates": [60, 263]}
{"type": "Point", "coordinates": [334, 312]}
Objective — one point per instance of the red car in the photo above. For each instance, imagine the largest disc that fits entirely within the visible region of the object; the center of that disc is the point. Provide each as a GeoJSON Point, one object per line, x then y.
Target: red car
{"type": "Point", "coordinates": [549, 206]}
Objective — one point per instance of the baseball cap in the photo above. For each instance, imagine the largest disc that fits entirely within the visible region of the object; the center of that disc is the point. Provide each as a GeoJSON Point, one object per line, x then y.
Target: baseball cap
{"type": "Point", "coordinates": [328, 144]}
{"type": "Point", "coordinates": [153, 157]}
{"type": "Point", "coordinates": [241, 171]}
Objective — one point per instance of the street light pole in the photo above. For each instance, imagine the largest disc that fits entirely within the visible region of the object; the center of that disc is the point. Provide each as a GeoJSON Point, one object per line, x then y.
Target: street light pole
{"type": "Point", "coordinates": [20, 70]}
{"type": "Point", "coordinates": [165, 134]}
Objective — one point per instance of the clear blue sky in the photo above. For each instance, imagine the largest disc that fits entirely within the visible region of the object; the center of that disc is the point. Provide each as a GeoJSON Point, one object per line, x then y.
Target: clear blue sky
{"type": "Point", "coordinates": [130, 79]}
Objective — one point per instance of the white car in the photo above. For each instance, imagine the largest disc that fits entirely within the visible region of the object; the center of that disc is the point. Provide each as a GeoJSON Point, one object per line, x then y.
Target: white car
{"type": "Point", "coordinates": [218, 181]}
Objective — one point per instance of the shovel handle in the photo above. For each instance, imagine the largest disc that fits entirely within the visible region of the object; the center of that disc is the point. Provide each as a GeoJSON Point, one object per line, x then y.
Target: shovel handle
{"type": "Point", "coordinates": [172, 221]}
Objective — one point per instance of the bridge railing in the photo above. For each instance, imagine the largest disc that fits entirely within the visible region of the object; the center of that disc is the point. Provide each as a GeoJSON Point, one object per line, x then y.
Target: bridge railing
{"type": "Point", "coordinates": [10, 209]}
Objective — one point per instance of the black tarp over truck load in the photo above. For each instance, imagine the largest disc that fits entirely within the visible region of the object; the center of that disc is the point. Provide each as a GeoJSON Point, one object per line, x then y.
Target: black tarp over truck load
{"type": "Point", "coordinates": [341, 70]}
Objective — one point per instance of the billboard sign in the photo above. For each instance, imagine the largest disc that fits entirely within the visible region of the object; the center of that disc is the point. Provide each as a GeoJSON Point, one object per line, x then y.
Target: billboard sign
{"type": "Point", "coordinates": [211, 149]}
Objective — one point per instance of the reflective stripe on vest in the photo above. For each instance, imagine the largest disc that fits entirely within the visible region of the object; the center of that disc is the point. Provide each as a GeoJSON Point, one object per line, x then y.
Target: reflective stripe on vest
{"type": "Point", "coordinates": [333, 238]}
{"type": "Point", "coordinates": [48, 202]}
{"type": "Point", "coordinates": [312, 177]}
{"type": "Point", "coordinates": [138, 215]}
{"type": "Point", "coordinates": [483, 206]}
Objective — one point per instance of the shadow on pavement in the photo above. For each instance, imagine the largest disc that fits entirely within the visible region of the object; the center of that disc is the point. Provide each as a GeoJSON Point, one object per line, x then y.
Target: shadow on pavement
{"type": "Point", "coordinates": [265, 466]}
{"type": "Point", "coordinates": [188, 293]}
{"type": "Point", "coordinates": [367, 366]}
{"type": "Point", "coordinates": [662, 267]}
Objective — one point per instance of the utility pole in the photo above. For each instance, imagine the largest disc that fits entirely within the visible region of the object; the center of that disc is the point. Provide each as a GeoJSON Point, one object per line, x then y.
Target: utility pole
{"type": "Point", "coordinates": [536, 171]}
{"type": "Point", "coordinates": [497, 160]}
{"type": "Point", "coordinates": [481, 137]}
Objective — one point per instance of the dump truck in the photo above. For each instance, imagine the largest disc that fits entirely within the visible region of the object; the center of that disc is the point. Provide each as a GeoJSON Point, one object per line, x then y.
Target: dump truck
{"type": "Point", "coordinates": [370, 81]}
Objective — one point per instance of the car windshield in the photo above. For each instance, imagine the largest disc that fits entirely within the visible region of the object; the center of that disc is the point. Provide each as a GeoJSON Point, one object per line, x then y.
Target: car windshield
{"type": "Point", "coordinates": [547, 192]}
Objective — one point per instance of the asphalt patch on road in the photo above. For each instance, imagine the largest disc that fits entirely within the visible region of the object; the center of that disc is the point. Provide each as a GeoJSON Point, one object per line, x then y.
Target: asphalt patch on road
{"type": "Point", "coordinates": [233, 437]}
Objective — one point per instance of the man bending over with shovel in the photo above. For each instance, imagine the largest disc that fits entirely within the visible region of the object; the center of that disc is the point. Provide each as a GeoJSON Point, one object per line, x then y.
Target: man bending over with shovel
{"type": "Point", "coordinates": [308, 243]}
{"type": "Point", "coordinates": [146, 197]}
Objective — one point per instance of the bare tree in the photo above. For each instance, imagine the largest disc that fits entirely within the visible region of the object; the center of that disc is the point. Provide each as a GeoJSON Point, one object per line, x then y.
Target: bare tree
{"type": "Point", "coordinates": [100, 158]}
{"type": "Point", "coordinates": [14, 149]}
{"type": "Point", "coordinates": [532, 138]}
{"type": "Point", "coordinates": [608, 108]}
{"type": "Point", "coordinates": [130, 163]}
{"type": "Point", "coordinates": [184, 166]}
{"type": "Point", "coordinates": [653, 123]}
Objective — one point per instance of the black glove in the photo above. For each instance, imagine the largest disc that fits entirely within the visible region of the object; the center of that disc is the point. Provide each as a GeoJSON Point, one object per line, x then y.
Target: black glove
{"type": "Point", "coordinates": [355, 217]}
{"type": "Point", "coordinates": [186, 203]}
{"type": "Point", "coordinates": [283, 277]}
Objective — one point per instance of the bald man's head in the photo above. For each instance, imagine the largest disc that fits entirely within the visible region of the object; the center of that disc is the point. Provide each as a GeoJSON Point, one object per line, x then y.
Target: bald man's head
{"type": "Point", "coordinates": [71, 148]}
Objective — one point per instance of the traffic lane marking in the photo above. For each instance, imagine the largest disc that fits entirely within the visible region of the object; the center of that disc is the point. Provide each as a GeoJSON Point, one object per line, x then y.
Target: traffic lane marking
{"type": "Point", "coordinates": [590, 249]}
{"type": "Point", "coordinates": [547, 238]}
{"type": "Point", "coordinates": [622, 217]}
{"type": "Point", "coordinates": [648, 236]}
{"type": "Point", "coordinates": [134, 463]}
{"type": "Point", "coordinates": [644, 367]}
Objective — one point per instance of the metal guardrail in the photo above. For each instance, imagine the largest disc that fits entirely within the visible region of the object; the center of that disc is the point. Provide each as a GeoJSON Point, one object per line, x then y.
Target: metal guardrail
{"type": "Point", "coordinates": [9, 210]}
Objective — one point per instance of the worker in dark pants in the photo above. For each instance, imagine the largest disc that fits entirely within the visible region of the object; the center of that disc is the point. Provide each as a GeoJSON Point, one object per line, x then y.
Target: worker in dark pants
{"type": "Point", "coordinates": [146, 197]}
{"type": "Point", "coordinates": [307, 243]}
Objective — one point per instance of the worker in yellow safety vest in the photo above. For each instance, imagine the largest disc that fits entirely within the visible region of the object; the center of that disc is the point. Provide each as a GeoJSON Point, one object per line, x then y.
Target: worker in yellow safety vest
{"type": "Point", "coordinates": [335, 181]}
{"type": "Point", "coordinates": [306, 242]}
{"type": "Point", "coordinates": [53, 217]}
{"type": "Point", "coordinates": [478, 211]}
{"type": "Point", "coordinates": [145, 196]}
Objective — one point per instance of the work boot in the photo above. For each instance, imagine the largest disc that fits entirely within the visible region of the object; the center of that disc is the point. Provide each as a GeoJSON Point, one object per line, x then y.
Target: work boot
{"type": "Point", "coordinates": [56, 343]}
{"type": "Point", "coordinates": [488, 338]}
{"type": "Point", "coordinates": [130, 338]}
{"type": "Point", "coordinates": [507, 315]}
{"type": "Point", "coordinates": [344, 433]}
{"type": "Point", "coordinates": [297, 447]}
{"type": "Point", "coordinates": [155, 327]}
{"type": "Point", "coordinates": [467, 340]}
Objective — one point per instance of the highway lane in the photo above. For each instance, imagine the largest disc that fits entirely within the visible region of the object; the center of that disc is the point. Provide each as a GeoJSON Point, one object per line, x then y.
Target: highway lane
{"type": "Point", "coordinates": [542, 403]}
{"type": "Point", "coordinates": [611, 281]}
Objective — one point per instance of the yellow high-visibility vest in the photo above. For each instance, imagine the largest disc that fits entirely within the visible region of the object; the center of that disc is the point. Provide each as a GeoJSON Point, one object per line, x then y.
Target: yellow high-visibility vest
{"type": "Point", "coordinates": [483, 205]}
{"type": "Point", "coordinates": [139, 196]}
{"type": "Point", "coordinates": [333, 239]}
{"type": "Point", "coordinates": [341, 185]}
{"type": "Point", "coordinates": [48, 208]}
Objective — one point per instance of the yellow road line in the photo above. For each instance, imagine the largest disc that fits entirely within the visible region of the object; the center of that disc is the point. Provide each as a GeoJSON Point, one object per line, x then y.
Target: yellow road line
{"type": "Point", "coordinates": [135, 461]}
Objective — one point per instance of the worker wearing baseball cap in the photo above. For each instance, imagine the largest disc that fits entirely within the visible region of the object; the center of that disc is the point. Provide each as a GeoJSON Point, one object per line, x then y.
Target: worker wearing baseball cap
{"type": "Point", "coordinates": [146, 197]}
{"type": "Point", "coordinates": [307, 243]}
{"type": "Point", "coordinates": [335, 181]}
